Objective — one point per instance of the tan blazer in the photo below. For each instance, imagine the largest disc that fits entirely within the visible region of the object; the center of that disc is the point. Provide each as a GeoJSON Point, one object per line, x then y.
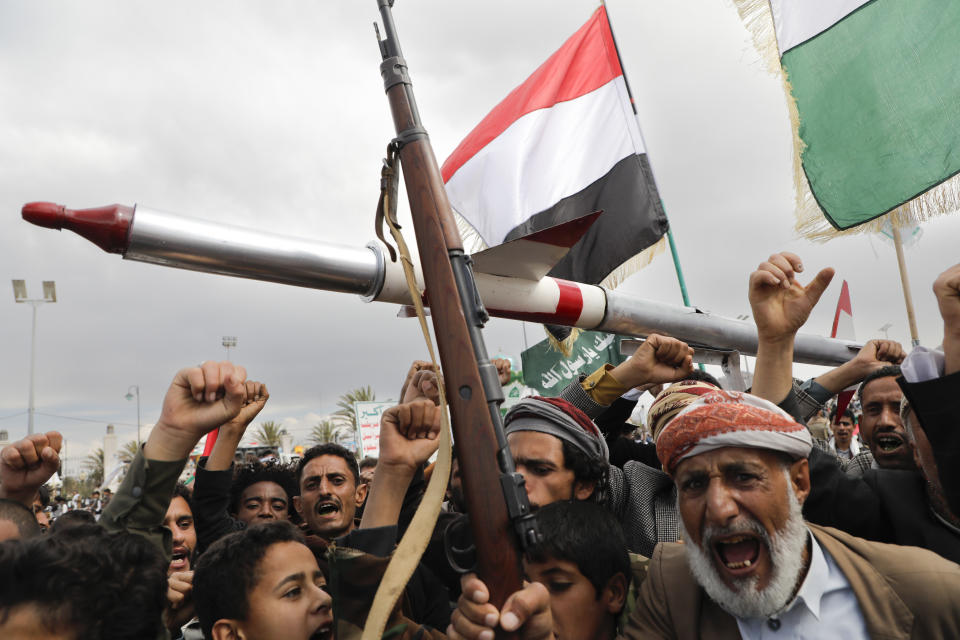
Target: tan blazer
{"type": "Point", "coordinates": [904, 592]}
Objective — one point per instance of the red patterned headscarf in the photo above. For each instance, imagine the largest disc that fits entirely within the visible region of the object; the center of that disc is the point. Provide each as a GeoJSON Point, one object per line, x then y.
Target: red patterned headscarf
{"type": "Point", "coordinates": [730, 419]}
{"type": "Point", "coordinates": [673, 400]}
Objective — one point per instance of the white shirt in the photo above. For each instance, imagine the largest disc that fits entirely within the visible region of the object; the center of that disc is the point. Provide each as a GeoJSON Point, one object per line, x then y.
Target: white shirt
{"type": "Point", "coordinates": [850, 452]}
{"type": "Point", "coordinates": [825, 607]}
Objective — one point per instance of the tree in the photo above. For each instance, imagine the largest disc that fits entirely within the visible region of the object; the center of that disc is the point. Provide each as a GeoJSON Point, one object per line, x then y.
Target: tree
{"type": "Point", "coordinates": [326, 431]}
{"type": "Point", "coordinates": [128, 452]}
{"type": "Point", "coordinates": [268, 433]}
{"type": "Point", "coordinates": [345, 414]}
{"type": "Point", "coordinates": [94, 462]}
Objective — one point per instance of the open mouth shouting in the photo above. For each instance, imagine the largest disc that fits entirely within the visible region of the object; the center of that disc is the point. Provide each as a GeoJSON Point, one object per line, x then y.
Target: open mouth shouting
{"type": "Point", "coordinates": [325, 632]}
{"type": "Point", "coordinates": [327, 508]}
{"type": "Point", "coordinates": [889, 442]}
{"type": "Point", "coordinates": [738, 554]}
{"type": "Point", "coordinates": [180, 560]}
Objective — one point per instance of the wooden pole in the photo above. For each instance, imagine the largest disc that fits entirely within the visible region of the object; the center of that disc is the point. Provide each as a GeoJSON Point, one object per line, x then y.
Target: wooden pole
{"type": "Point", "coordinates": [907, 297]}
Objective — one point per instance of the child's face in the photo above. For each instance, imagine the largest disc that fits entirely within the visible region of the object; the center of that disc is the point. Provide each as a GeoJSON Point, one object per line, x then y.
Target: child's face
{"type": "Point", "coordinates": [578, 612]}
{"type": "Point", "coordinates": [288, 600]}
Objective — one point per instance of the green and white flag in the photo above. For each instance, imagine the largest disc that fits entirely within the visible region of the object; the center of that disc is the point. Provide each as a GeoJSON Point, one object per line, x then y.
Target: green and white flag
{"type": "Point", "coordinates": [874, 95]}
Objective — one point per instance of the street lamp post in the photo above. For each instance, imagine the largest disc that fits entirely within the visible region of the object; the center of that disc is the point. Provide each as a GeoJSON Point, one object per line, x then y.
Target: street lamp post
{"type": "Point", "coordinates": [885, 328]}
{"type": "Point", "coordinates": [20, 295]}
{"type": "Point", "coordinates": [228, 343]}
{"type": "Point", "coordinates": [129, 396]}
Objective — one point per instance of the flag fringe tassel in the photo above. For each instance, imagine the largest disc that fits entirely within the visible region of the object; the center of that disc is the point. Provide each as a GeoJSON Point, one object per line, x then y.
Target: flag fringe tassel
{"type": "Point", "coordinates": [634, 264]}
{"type": "Point", "coordinates": [565, 347]}
{"type": "Point", "coordinates": [472, 241]}
{"type": "Point", "coordinates": [811, 223]}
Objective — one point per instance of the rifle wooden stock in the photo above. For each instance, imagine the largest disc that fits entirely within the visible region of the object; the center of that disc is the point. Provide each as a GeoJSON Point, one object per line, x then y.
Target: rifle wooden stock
{"type": "Point", "coordinates": [497, 549]}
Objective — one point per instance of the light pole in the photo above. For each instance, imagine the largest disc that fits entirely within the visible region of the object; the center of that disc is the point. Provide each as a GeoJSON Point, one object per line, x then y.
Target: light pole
{"type": "Point", "coordinates": [129, 396]}
{"type": "Point", "coordinates": [885, 328]}
{"type": "Point", "coordinates": [228, 342]}
{"type": "Point", "coordinates": [20, 295]}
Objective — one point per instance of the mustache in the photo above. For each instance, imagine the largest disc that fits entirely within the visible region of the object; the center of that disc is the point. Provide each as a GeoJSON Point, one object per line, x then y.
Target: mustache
{"type": "Point", "coordinates": [322, 500]}
{"type": "Point", "coordinates": [744, 525]}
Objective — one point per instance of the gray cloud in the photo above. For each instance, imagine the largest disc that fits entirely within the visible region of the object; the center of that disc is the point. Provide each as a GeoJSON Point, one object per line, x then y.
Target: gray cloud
{"type": "Point", "coordinates": [273, 116]}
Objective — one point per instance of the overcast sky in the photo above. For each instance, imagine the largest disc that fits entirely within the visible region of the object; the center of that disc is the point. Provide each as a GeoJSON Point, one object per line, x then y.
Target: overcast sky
{"type": "Point", "coordinates": [272, 115]}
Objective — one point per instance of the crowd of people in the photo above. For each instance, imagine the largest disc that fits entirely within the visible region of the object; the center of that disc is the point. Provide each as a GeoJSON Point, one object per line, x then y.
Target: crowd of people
{"type": "Point", "coordinates": [778, 512]}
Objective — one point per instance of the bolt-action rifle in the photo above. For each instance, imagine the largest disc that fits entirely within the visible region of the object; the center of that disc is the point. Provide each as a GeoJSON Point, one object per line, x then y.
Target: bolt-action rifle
{"type": "Point", "coordinates": [496, 499]}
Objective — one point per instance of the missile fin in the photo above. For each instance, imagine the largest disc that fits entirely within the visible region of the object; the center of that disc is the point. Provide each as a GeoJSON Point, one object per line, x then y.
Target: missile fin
{"type": "Point", "coordinates": [532, 256]}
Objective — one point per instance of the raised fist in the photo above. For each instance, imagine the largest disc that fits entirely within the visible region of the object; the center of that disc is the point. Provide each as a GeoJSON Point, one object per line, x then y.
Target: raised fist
{"type": "Point", "coordinates": [27, 464]}
{"type": "Point", "coordinates": [658, 359]}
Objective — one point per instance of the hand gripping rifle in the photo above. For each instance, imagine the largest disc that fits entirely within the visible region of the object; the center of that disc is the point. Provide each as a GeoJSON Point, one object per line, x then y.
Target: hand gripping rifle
{"type": "Point", "coordinates": [501, 522]}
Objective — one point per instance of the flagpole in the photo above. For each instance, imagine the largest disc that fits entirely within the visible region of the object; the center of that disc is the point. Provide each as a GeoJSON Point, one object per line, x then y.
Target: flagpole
{"type": "Point", "coordinates": [633, 105]}
{"type": "Point", "coordinates": [907, 297]}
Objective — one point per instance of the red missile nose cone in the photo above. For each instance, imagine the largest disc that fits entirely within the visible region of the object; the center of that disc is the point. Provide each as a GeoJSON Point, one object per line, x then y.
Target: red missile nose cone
{"type": "Point", "coordinates": [107, 227]}
{"type": "Point", "coordinates": [44, 214]}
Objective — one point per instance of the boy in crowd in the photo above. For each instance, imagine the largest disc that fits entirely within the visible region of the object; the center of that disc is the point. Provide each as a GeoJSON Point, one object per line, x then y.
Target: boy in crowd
{"type": "Point", "coordinates": [262, 582]}
{"type": "Point", "coordinates": [583, 563]}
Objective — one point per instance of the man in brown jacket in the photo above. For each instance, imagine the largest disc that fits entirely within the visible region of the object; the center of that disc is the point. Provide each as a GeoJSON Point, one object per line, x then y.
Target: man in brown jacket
{"type": "Point", "coordinates": [750, 566]}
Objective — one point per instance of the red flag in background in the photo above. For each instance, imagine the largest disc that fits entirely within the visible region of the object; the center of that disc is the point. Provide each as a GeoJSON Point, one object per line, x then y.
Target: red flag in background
{"type": "Point", "coordinates": [843, 329]}
{"type": "Point", "coordinates": [563, 144]}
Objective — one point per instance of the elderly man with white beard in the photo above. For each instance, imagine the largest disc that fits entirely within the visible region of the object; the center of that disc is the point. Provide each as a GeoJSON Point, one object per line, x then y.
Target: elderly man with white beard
{"type": "Point", "coordinates": [750, 567]}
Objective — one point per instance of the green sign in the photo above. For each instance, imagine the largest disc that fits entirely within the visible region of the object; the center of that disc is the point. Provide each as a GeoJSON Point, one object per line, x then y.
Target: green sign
{"type": "Point", "coordinates": [548, 372]}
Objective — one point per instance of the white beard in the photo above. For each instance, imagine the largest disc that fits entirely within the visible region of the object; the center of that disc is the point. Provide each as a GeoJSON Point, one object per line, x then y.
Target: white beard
{"type": "Point", "coordinates": [786, 560]}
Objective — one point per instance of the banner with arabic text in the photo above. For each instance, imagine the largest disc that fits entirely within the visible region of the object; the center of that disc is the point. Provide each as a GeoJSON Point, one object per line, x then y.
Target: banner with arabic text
{"type": "Point", "coordinates": [368, 424]}
{"type": "Point", "coordinates": [548, 371]}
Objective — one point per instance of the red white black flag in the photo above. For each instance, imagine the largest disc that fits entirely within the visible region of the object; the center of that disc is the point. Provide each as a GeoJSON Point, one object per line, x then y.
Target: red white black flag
{"type": "Point", "coordinates": [563, 144]}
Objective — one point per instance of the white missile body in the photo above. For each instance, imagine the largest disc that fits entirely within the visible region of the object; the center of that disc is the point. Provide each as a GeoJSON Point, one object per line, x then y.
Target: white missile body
{"type": "Point", "coordinates": [190, 243]}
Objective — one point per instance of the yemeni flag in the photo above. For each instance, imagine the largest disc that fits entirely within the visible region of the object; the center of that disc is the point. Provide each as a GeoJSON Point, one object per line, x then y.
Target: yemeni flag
{"type": "Point", "coordinates": [563, 144]}
{"type": "Point", "coordinates": [876, 87]}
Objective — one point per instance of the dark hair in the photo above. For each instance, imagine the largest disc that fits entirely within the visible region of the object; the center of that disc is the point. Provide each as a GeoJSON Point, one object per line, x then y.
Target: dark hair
{"type": "Point", "coordinates": [702, 376]}
{"type": "Point", "coordinates": [183, 491]}
{"type": "Point", "coordinates": [44, 494]}
{"type": "Point", "coordinates": [21, 516]}
{"type": "Point", "coordinates": [368, 463]}
{"type": "Point", "coordinates": [586, 534]}
{"type": "Point", "coordinates": [848, 412]}
{"type": "Point", "coordinates": [254, 472]}
{"type": "Point", "coordinates": [85, 580]}
{"type": "Point", "coordinates": [586, 469]}
{"type": "Point", "coordinates": [72, 520]}
{"type": "Point", "coordinates": [888, 371]}
{"type": "Point", "coordinates": [226, 573]}
{"type": "Point", "coordinates": [329, 449]}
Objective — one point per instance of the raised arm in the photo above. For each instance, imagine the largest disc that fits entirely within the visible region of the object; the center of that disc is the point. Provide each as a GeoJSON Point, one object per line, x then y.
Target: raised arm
{"type": "Point", "coordinates": [780, 306]}
{"type": "Point", "coordinates": [198, 400]}
{"type": "Point", "coordinates": [230, 434]}
{"type": "Point", "coordinates": [408, 437]}
{"type": "Point", "coordinates": [658, 360]}
{"type": "Point", "coordinates": [211, 488]}
{"type": "Point", "coordinates": [947, 289]}
{"type": "Point", "coordinates": [872, 356]}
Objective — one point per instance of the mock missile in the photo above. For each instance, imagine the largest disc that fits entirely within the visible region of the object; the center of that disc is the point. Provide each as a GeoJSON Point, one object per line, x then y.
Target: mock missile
{"type": "Point", "coordinates": [510, 277]}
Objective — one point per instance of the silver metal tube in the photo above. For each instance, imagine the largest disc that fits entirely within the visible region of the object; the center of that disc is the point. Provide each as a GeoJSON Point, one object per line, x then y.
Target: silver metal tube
{"type": "Point", "coordinates": [188, 243]}
{"type": "Point", "coordinates": [628, 315]}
